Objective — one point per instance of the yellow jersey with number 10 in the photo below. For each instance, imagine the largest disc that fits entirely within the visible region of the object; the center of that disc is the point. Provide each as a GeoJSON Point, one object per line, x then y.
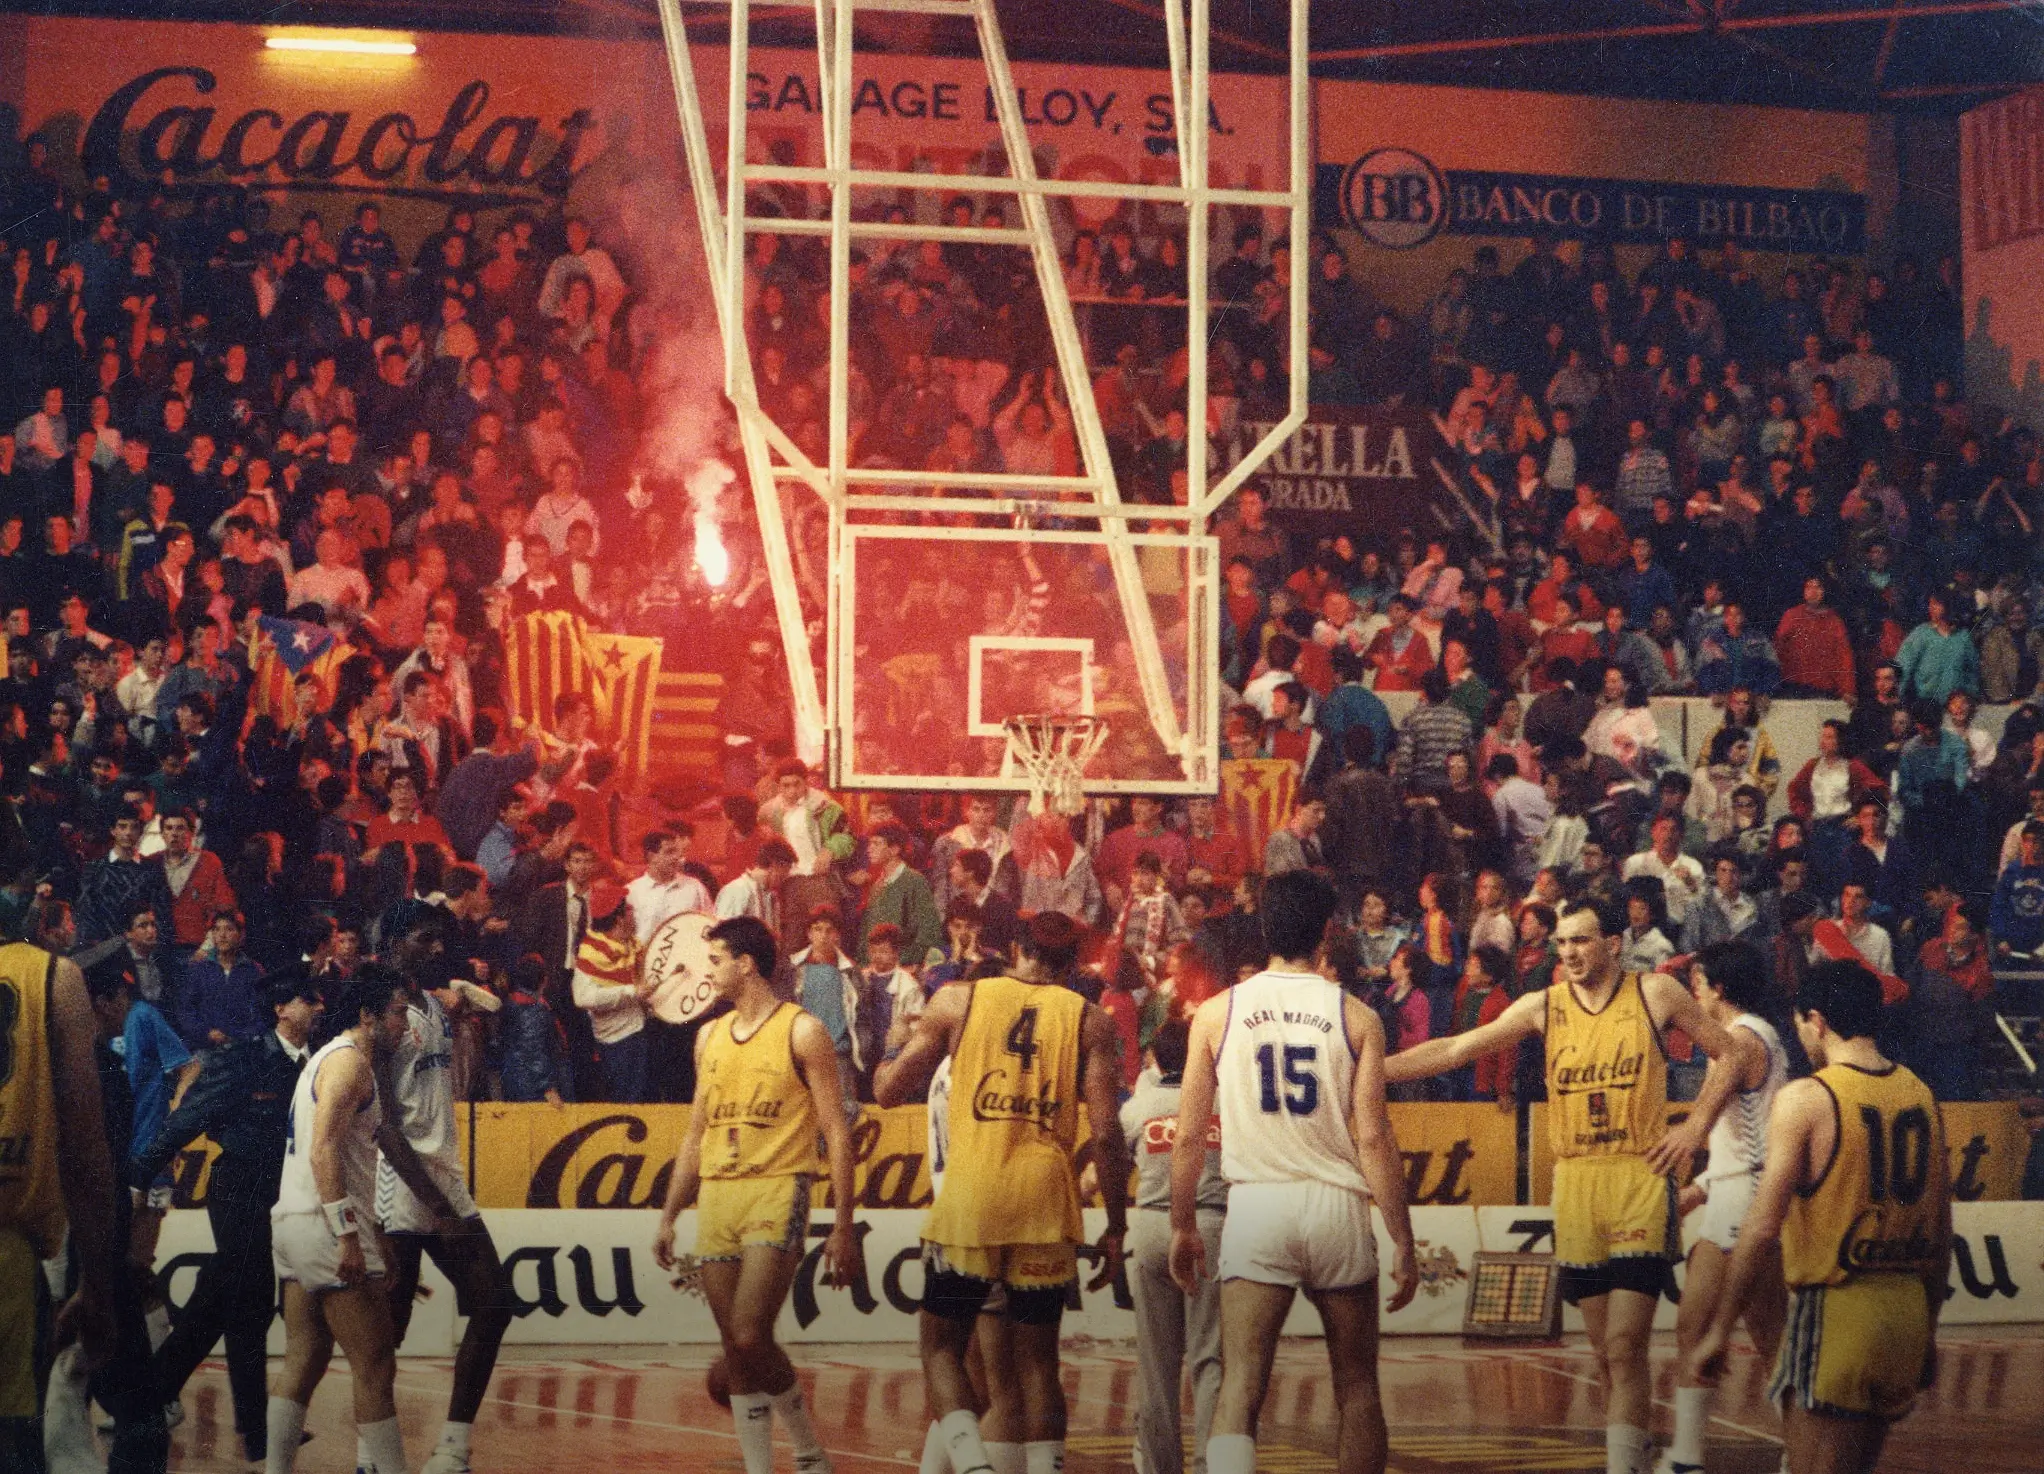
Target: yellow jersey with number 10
{"type": "Point", "coordinates": [1874, 1210]}
{"type": "Point", "coordinates": [1607, 1076]}
{"type": "Point", "coordinates": [31, 1199]}
{"type": "Point", "coordinates": [1014, 1120]}
{"type": "Point", "coordinates": [762, 1122]}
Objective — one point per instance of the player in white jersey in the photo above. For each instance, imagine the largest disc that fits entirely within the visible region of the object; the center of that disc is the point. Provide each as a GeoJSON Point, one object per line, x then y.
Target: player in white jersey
{"type": "Point", "coordinates": [1730, 982]}
{"type": "Point", "coordinates": [327, 1249]}
{"type": "Point", "coordinates": [422, 1200]}
{"type": "Point", "coordinates": [987, 1364]}
{"type": "Point", "coordinates": [1294, 1068]}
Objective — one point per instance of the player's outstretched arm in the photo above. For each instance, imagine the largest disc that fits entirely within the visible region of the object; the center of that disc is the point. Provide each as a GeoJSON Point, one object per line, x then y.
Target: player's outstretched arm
{"type": "Point", "coordinates": [686, 1178]}
{"type": "Point", "coordinates": [817, 1056]}
{"type": "Point", "coordinates": [1526, 1017]}
{"type": "Point", "coordinates": [85, 1169]}
{"type": "Point", "coordinates": [1102, 1049]}
{"type": "Point", "coordinates": [1377, 1146]}
{"type": "Point", "coordinates": [1742, 1067]}
{"type": "Point", "coordinates": [905, 1079]}
{"type": "Point", "coordinates": [1189, 1148]}
{"type": "Point", "coordinates": [1797, 1111]}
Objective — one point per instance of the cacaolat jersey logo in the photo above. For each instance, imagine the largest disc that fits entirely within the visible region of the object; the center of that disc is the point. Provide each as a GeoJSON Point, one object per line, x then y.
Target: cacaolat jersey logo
{"type": "Point", "coordinates": [1395, 198]}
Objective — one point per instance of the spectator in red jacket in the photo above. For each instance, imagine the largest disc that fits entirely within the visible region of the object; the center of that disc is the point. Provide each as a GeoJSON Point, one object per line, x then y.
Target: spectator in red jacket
{"type": "Point", "coordinates": [198, 881]}
{"type": "Point", "coordinates": [1594, 531]}
{"type": "Point", "coordinates": [1400, 654]}
{"type": "Point", "coordinates": [1813, 648]}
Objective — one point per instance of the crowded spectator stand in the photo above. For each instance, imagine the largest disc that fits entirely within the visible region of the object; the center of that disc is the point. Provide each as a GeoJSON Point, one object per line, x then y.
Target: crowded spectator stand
{"type": "Point", "coordinates": [335, 591]}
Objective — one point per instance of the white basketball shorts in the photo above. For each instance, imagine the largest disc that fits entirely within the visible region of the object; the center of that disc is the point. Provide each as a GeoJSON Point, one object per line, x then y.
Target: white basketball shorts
{"type": "Point", "coordinates": [1725, 1208]}
{"type": "Point", "coordinates": [1307, 1235]}
{"type": "Point", "coordinates": [303, 1248]}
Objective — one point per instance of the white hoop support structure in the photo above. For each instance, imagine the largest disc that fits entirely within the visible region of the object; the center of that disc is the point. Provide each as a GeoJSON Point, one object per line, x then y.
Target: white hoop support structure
{"type": "Point", "coordinates": [1053, 753]}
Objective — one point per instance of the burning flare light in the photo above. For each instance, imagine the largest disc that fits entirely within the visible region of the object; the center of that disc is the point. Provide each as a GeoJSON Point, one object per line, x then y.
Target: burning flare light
{"type": "Point", "coordinates": [705, 484]}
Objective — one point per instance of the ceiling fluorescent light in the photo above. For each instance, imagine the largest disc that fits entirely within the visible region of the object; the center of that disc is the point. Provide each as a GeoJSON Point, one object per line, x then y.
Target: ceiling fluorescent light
{"type": "Point", "coordinates": [346, 45]}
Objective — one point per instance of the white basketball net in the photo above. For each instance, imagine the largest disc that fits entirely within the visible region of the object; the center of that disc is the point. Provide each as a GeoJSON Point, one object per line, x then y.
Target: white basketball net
{"type": "Point", "coordinates": [1052, 752]}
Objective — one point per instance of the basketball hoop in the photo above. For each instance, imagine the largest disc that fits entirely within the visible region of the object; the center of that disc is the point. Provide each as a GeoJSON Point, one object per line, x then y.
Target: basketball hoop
{"type": "Point", "coordinates": [1052, 752]}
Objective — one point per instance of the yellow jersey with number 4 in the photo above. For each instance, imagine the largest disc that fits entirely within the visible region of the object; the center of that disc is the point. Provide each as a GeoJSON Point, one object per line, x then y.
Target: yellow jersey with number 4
{"type": "Point", "coordinates": [1014, 1120]}
{"type": "Point", "coordinates": [762, 1122]}
{"type": "Point", "coordinates": [1878, 1207]}
{"type": "Point", "coordinates": [31, 1199]}
{"type": "Point", "coordinates": [1607, 1076]}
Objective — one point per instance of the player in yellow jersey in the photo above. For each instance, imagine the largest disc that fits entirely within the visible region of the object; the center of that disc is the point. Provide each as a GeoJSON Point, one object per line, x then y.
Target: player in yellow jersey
{"type": "Point", "coordinates": [1858, 1190]}
{"type": "Point", "coordinates": [1025, 1051]}
{"type": "Point", "coordinates": [1616, 1232]}
{"type": "Point", "coordinates": [55, 1167]}
{"type": "Point", "coordinates": [766, 1091]}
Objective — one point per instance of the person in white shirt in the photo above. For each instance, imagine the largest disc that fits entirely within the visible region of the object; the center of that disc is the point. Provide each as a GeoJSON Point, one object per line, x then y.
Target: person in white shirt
{"type": "Point", "coordinates": [1731, 982]}
{"type": "Point", "coordinates": [561, 507]}
{"type": "Point", "coordinates": [665, 889]}
{"type": "Point", "coordinates": [136, 691]}
{"type": "Point", "coordinates": [1294, 1069]}
{"type": "Point", "coordinates": [330, 582]}
{"type": "Point", "coordinates": [1680, 875]}
{"type": "Point", "coordinates": [1524, 815]}
{"type": "Point", "coordinates": [756, 891]}
{"type": "Point", "coordinates": [1868, 938]}
{"type": "Point", "coordinates": [1980, 745]}
{"type": "Point", "coordinates": [326, 1246]}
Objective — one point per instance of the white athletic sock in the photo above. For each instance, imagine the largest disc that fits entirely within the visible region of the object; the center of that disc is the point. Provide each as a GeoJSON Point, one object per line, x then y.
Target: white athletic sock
{"type": "Point", "coordinates": [1692, 1416]}
{"type": "Point", "coordinates": [793, 1414]}
{"type": "Point", "coordinates": [386, 1445]}
{"type": "Point", "coordinates": [961, 1442]}
{"type": "Point", "coordinates": [454, 1439]}
{"type": "Point", "coordinates": [1007, 1458]}
{"type": "Point", "coordinates": [1625, 1449]}
{"type": "Point", "coordinates": [1231, 1453]}
{"type": "Point", "coordinates": [364, 1460]}
{"type": "Point", "coordinates": [286, 1423]}
{"type": "Point", "coordinates": [1046, 1457]}
{"type": "Point", "coordinates": [935, 1460]}
{"type": "Point", "coordinates": [752, 1414]}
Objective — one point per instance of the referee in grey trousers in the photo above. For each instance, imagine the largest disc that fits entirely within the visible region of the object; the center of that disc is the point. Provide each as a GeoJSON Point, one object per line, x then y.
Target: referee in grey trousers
{"type": "Point", "coordinates": [1172, 1328]}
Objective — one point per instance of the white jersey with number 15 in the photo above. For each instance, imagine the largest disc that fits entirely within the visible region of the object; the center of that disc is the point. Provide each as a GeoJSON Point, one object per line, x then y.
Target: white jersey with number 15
{"type": "Point", "coordinates": [1285, 1077]}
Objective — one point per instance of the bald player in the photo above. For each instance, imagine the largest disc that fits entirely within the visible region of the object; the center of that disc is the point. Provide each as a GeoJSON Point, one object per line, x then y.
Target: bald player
{"type": "Point", "coordinates": [1616, 1231]}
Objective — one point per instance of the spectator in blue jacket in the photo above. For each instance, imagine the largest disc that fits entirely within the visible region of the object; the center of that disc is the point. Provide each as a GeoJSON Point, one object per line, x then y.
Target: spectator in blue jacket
{"type": "Point", "coordinates": [2016, 921]}
{"type": "Point", "coordinates": [1736, 655]}
{"type": "Point", "coordinates": [1938, 657]}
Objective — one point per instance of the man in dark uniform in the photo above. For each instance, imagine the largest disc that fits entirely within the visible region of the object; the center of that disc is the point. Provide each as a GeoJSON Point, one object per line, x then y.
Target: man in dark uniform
{"type": "Point", "coordinates": [242, 1100]}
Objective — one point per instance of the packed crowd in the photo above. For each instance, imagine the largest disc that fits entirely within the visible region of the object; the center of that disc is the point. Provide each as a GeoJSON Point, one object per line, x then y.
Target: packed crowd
{"type": "Point", "coordinates": [228, 443]}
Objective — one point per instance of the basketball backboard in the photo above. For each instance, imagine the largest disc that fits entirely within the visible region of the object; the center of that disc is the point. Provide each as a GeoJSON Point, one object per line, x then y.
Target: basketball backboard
{"type": "Point", "coordinates": [949, 632]}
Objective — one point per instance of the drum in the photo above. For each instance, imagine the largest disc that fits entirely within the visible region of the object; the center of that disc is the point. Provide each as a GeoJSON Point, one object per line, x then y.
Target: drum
{"type": "Point", "coordinates": [678, 967]}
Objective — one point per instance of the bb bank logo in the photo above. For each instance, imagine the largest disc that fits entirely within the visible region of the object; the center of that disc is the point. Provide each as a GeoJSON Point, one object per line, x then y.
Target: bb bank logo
{"type": "Point", "coordinates": [1395, 198]}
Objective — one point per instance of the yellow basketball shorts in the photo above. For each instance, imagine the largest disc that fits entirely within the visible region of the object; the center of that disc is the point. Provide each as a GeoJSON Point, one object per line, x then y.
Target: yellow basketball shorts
{"type": "Point", "coordinates": [1031, 1281]}
{"type": "Point", "coordinates": [1856, 1350]}
{"type": "Point", "coordinates": [19, 1271]}
{"type": "Point", "coordinates": [1609, 1208]}
{"type": "Point", "coordinates": [1018, 1266]}
{"type": "Point", "coordinates": [734, 1214]}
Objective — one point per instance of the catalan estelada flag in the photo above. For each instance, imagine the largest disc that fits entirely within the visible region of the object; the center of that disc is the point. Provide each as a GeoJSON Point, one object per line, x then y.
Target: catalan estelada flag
{"type": "Point", "coordinates": [281, 650]}
{"type": "Point", "coordinates": [552, 652]}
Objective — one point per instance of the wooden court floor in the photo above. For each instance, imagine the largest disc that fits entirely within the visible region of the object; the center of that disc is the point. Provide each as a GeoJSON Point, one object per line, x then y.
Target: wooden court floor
{"type": "Point", "coordinates": [1451, 1407]}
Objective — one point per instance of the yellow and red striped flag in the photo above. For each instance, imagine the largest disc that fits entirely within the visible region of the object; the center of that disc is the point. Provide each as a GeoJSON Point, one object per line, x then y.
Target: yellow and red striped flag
{"type": "Point", "coordinates": [552, 652]}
